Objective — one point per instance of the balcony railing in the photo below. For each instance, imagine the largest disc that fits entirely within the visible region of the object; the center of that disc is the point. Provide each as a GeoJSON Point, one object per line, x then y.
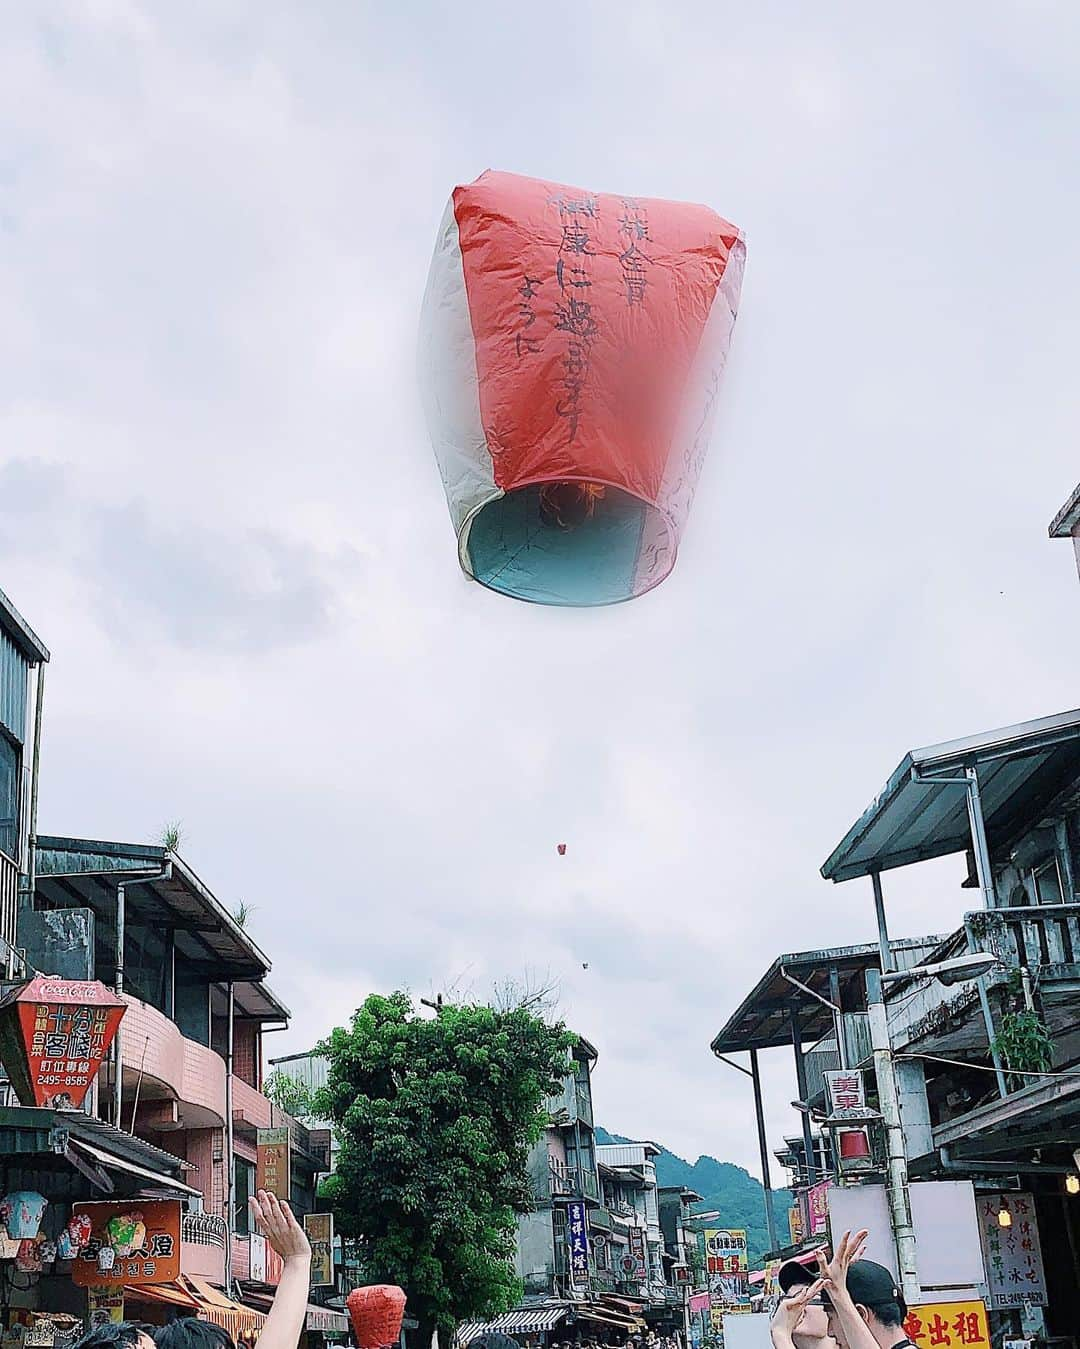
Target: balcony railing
{"type": "Point", "coordinates": [204, 1229]}
{"type": "Point", "coordinates": [570, 1182]}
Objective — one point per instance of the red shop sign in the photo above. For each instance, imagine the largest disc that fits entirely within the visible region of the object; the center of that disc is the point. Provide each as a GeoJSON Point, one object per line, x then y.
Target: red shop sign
{"type": "Point", "coordinates": [54, 1035]}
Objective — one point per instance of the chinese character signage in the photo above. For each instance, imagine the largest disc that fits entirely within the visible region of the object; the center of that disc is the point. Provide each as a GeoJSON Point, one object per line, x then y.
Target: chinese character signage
{"type": "Point", "coordinates": [947, 1324]}
{"type": "Point", "coordinates": [726, 1267]}
{"type": "Point", "coordinates": [54, 1035]}
{"type": "Point", "coordinates": [847, 1094]}
{"type": "Point", "coordinates": [132, 1241]}
{"type": "Point", "coordinates": [1012, 1255]}
{"type": "Point", "coordinates": [637, 1251]}
{"type": "Point", "coordinates": [796, 1226]}
{"type": "Point", "coordinates": [577, 1239]}
{"type": "Point", "coordinates": [320, 1232]}
{"type": "Point", "coordinates": [725, 1251]}
{"type": "Point", "coordinates": [272, 1162]}
{"type": "Point", "coordinates": [817, 1209]}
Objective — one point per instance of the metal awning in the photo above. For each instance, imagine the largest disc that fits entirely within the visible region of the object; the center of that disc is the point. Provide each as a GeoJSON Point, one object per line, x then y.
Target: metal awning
{"type": "Point", "coordinates": [763, 1018]}
{"type": "Point", "coordinates": [73, 1156]}
{"type": "Point", "coordinates": [526, 1321]}
{"type": "Point", "coordinates": [76, 872]}
{"type": "Point", "coordinates": [1021, 768]}
{"type": "Point", "coordinates": [111, 1162]}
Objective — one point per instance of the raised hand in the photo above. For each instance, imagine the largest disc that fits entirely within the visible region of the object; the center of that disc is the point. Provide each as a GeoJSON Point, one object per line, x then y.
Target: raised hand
{"type": "Point", "coordinates": [790, 1311]}
{"type": "Point", "coordinates": [275, 1220]}
{"type": "Point", "coordinates": [847, 1250]}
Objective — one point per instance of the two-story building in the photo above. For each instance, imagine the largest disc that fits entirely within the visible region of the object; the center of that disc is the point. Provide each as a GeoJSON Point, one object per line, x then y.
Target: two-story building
{"type": "Point", "coordinates": [987, 1066]}
{"type": "Point", "coordinates": [179, 1102]}
{"type": "Point", "coordinates": [998, 1056]}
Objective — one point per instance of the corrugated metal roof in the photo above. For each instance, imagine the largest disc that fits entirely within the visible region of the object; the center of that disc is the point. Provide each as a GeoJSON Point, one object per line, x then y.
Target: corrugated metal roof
{"type": "Point", "coordinates": [1021, 768]}
{"type": "Point", "coordinates": [763, 1018]}
{"type": "Point", "coordinates": [71, 869]}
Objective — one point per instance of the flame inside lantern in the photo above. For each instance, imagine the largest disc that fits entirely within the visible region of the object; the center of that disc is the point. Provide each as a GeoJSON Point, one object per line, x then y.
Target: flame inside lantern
{"type": "Point", "coordinates": [566, 505]}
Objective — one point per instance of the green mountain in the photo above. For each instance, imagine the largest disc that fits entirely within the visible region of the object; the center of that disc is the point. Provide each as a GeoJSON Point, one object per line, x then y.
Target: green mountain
{"type": "Point", "coordinates": [739, 1197]}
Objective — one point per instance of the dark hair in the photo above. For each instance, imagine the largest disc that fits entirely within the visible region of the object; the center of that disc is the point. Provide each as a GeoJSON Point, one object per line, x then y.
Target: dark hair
{"type": "Point", "coordinates": [888, 1314]}
{"type": "Point", "coordinates": [191, 1333]}
{"type": "Point", "coordinates": [114, 1335]}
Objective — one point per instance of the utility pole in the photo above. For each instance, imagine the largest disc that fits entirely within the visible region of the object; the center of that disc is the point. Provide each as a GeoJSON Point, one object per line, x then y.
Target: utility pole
{"type": "Point", "coordinates": [897, 1176]}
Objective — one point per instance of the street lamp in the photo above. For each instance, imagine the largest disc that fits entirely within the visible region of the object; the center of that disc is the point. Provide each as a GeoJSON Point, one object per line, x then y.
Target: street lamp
{"type": "Point", "coordinates": [956, 970]}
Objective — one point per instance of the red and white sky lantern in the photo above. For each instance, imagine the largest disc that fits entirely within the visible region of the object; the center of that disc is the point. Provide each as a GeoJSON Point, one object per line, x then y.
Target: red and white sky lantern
{"type": "Point", "coordinates": [572, 347]}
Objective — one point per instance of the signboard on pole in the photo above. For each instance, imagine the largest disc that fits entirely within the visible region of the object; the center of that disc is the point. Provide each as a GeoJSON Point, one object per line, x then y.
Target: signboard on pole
{"type": "Point", "coordinates": [948, 1324]}
{"type": "Point", "coordinates": [320, 1232]}
{"type": "Point", "coordinates": [132, 1241]}
{"type": "Point", "coordinates": [577, 1238]}
{"type": "Point", "coordinates": [1012, 1254]}
{"type": "Point", "coordinates": [273, 1163]}
{"type": "Point", "coordinates": [257, 1257]}
{"type": "Point", "coordinates": [817, 1208]}
{"type": "Point", "coordinates": [847, 1094]}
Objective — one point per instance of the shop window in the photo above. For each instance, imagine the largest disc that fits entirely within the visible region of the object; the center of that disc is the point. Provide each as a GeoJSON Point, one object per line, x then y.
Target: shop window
{"type": "Point", "coordinates": [245, 1190]}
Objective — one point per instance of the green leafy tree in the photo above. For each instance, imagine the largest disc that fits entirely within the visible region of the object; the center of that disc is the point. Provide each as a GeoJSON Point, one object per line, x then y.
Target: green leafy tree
{"type": "Point", "coordinates": [435, 1117]}
{"type": "Point", "coordinates": [289, 1094]}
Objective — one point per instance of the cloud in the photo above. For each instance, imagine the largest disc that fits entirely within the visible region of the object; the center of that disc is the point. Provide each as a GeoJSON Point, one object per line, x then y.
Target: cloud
{"type": "Point", "coordinates": [218, 506]}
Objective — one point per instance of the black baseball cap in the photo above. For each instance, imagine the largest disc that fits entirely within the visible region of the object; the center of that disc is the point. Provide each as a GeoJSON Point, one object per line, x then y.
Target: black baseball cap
{"type": "Point", "coordinates": [871, 1285]}
{"type": "Point", "coordinates": [793, 1275]}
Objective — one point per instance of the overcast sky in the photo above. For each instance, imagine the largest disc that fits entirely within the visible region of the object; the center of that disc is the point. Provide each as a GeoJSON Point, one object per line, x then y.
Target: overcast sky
{"type": "Point", "coordinates": [221, 512]}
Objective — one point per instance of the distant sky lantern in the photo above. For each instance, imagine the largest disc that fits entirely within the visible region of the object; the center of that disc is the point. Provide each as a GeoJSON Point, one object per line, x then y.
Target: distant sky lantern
{"type": "Point", "coordinates": [572, 346]}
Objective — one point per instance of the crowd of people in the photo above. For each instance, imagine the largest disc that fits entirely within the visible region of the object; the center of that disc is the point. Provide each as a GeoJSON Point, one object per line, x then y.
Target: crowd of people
{"type": "Point", "coordinates": [847, 1303]}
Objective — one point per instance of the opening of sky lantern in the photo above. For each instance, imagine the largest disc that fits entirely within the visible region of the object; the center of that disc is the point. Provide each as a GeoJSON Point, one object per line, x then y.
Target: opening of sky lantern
{"type": "Point", "coordinates": [572, 345]}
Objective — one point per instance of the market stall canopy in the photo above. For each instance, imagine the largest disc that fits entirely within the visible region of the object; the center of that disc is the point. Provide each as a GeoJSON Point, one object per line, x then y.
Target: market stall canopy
{"type": "Point", "coordinates": [1020, 769]}
{"type": "Point", "coordinates": [529, 1321]}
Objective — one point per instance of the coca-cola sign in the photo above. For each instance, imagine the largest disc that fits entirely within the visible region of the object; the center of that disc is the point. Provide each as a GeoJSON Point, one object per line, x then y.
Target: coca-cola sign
{"type": "Point", "coordinates": [54, 1036]}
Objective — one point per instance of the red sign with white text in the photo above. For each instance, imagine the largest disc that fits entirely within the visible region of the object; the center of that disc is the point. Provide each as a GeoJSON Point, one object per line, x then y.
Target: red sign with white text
{"type": "Point", "coordinates": [54, 1036]}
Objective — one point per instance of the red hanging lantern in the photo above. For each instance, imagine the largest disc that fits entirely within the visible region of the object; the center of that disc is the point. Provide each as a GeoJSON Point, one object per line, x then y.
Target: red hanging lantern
{"type": "Point", "coordinates": [376, 1312]}
{"type": "Point", "coordinates": [855, 1152]}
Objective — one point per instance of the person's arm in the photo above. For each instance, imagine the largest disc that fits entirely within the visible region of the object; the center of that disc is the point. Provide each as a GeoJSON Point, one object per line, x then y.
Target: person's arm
{"type": "Point", "coordinates": [285, 1319]}
{"type": "Point", "coordinates": [789, 1313]}
{"type": "Point", "coordinates": [834, 1272]}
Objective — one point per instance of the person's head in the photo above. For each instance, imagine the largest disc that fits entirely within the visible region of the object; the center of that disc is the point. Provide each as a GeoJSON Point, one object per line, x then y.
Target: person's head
{"type": "Point", "coordinates": [118, 1335]}
{"type": "Point", "coordinates": [878, 1301]}
{"type": "Point", "coordinates": [190, 1333]}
